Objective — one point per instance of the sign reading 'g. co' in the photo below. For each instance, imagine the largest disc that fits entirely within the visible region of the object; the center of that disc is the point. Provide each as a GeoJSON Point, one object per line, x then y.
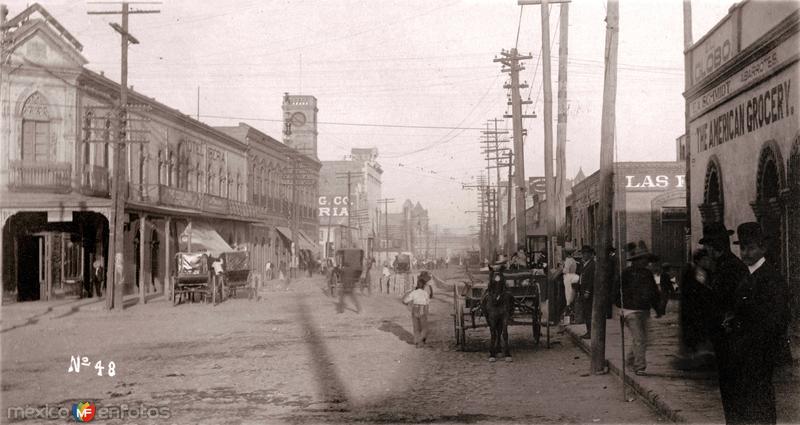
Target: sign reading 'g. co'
{"type": "Point", "coordinates": [335, 206]}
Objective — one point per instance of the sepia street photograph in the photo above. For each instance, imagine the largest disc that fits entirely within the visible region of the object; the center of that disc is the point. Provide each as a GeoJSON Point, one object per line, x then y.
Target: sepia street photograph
{"type": "Point", "coordinates": [400, 212]}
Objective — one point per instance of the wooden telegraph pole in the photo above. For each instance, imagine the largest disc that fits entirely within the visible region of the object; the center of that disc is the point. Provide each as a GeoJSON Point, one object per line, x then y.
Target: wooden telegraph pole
{"type": "Point", "coordinates": [348, 176]}
{"type": "Point", "coordinates": [511, 62]}
{"type": "Point", "coordinates": [607, 128]}
{"type": "Point", "coordinates": [115, 274]}
{"type": "Point", "coordinates": [386, 202]}
{"type": "Point", "coordinates": [548, 124]}
{"type": "Point", "coordinates": [561, 127]}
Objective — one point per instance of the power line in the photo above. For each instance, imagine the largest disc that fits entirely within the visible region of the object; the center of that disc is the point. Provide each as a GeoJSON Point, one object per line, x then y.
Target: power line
{"type": "Point", "coordinates": [346, 123]}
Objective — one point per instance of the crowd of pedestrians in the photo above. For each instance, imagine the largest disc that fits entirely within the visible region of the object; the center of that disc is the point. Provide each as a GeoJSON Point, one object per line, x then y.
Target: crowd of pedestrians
{"type": "Point", "coordinates": [734, 311]}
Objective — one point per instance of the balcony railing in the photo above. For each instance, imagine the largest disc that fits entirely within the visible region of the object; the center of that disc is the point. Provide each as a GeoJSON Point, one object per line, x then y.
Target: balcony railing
{"type": "Point", "coordinates": [40, 176]}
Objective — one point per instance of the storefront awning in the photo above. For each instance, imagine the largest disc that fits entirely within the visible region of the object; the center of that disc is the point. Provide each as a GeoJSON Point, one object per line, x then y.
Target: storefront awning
{"type": "Point", "coordinates": [205, 238]}
{"type": "Point", "coordinates": [302, 240]}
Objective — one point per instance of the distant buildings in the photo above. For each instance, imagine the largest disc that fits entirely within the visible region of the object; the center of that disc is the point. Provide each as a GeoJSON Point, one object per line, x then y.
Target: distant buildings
{"type": "Point", "coordinates": [348, 216]}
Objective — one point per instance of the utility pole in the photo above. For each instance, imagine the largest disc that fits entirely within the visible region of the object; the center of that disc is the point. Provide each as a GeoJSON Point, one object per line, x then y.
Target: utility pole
{"type": "Point", "coordinates": [115, 274]}
{"type": "Point", "coordinates": [511, 61]}
{"type": "Point", "coordinates": [297, 177]}
{"type": "Point", "coordinates": [491, 149]}
{"type": "Point", "coordinates": [560, 200]}
{"type": "Point", "coordinates": [607, 128]}
{"type": "Point", "coordinates": [386, 202]}
{"type": "Point", "coordinates": [347, 175]}
{"type": "Point", "coordinates": [687, 42]}
{"type": "Point", "coordinates": [548, 124]}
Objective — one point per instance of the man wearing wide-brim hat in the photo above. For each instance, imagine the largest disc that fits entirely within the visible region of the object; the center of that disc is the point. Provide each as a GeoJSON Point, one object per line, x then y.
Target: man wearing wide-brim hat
{"type": "Point", "coordinates": [726, 274]}
{"type": "Point", "coordinates": [757, 331]}
{"type": "Point", "coordinates": [638, 294]}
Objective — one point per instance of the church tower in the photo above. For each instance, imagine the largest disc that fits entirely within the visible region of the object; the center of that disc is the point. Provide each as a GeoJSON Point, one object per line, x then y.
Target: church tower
{"type": "Point", "coordinates": [300, 123]}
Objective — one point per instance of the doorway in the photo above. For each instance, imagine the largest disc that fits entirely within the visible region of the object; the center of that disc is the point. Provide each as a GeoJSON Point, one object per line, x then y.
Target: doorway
{"type": "Point", "coordinates": [29, 268]}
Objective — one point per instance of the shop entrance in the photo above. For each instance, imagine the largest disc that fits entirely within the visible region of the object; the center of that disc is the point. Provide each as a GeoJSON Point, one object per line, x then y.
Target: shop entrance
{"type": "Point", "coordinates": [29, 268]}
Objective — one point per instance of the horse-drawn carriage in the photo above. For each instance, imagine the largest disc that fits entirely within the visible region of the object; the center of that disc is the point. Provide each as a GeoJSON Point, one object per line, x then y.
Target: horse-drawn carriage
{"type": "Point", "coordinates": [194, 276]}
{"type": "Point", "coordinates": [236, 274]}
{"type": "Point", "coordinates": [348, 269]}
{"type": "Point", "coordinates": [522, 289]}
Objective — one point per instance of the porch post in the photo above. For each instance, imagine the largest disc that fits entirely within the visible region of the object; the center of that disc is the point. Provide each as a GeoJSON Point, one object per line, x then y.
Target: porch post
{"type": "Point", "coordinates": [167, 259]}
{"type": "Point", "coordinates": [142, 220]}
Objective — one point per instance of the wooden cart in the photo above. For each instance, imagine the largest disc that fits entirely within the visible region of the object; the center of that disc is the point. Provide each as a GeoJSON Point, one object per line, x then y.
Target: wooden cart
{"type": "Point", "coordinates": [524, 285]}
{"type": "Point", "coordinates": [194, 276]}
{"type": "Point", "coordinates": [236, 274]}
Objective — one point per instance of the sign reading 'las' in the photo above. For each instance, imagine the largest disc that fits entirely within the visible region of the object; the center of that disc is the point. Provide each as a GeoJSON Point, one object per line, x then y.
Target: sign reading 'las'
{"type": "Point", "coordinates": [654, 182]}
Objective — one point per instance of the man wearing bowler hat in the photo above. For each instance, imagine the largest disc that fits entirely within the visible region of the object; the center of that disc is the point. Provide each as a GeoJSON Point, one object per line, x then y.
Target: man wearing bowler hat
{"type": "Point", "coordinates": [726, 274]}
{"type": "Point", "coordinates": [757, 328]}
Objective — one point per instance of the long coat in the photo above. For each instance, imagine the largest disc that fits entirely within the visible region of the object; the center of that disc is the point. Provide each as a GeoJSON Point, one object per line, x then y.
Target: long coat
{"type": "Point", "coordinates": [760, 320]}
{"type": "Point", "coordinates": [587, 289]}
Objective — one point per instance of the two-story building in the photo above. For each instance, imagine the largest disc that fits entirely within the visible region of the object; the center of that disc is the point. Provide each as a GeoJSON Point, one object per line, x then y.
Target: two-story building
{"type": "Point", "coordinates": [189, 185]}
{"type": "Point", "coordinates": [743, 131]}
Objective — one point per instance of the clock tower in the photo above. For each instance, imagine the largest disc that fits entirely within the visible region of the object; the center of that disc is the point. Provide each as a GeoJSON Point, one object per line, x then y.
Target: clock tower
{"type": "Point", "coordinates": [300, 123]}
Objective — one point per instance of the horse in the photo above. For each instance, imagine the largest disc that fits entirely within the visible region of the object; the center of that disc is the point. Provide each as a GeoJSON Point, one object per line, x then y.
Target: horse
{"type": "Point", "coordinates": [498, 305]}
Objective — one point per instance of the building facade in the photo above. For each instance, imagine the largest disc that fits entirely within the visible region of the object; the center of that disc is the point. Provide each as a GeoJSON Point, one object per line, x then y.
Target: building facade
{"type": "Point", "coordinates": [743, 132]}
{"type": "Point", "coordinates": [184, 177]}
{"type": "Point", "coordinates": [649, 205]}
{"type": "Point", "coordinates": [348, 216]}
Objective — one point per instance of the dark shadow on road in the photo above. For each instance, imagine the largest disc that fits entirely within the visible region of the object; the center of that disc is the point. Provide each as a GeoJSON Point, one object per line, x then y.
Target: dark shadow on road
{"type": "Point", "coordinates": [398, 331]}
{"type": "Point", "coordinates": [330, 384]}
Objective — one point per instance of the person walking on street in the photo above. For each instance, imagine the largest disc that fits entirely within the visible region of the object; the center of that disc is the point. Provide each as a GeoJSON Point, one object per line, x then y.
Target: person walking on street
{"type": "Point", "coordinates": [419, 299]}
{"type": "Point", "coordinates": [757, 329]}
{"type": "Point", "coordinates": [637, 296]}
{"type": "Point", "coordinates": [726, 274]}
{"type": "Point", "coordinates": [587, 288]}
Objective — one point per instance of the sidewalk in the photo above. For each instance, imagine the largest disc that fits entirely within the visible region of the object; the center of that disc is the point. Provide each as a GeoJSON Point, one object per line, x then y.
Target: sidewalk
{"type": "Point", "coordinates": [683, 396]}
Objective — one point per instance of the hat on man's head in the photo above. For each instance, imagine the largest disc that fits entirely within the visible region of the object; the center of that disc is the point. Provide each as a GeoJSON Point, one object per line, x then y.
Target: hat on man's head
{"type": "Point", "coordinates": [748, 233]}
{"type": "Point", "coordinates": [424, 276]}
{"type": "Point", "coordinates": [715, 231]}
{"type": "Point", "coordinates": [638, 250]}
{"type": "Point", "coordinates": [587, 249]}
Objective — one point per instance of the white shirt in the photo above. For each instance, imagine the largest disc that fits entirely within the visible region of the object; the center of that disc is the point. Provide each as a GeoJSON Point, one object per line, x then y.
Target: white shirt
{"type": "Point", "coordinates": [757, 265]}
{"type": "Point", "coordinates": [417, 297]}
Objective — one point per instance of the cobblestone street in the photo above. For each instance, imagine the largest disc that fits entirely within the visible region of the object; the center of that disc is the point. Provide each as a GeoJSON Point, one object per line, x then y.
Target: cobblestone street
{"type": "Point", "coordinates": [290, 358]}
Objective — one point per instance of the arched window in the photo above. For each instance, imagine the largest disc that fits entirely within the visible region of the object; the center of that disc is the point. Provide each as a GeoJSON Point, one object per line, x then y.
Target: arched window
{"type": "Point", "coordinates": [222, 183]}
{"type": "Point", "coordinates": [712, 210]}
{"type": "Point", "coordinates": [35, 143]}
{"type": "Point", "coordinates": [768, 206]}
{"type": "Point", "coordinates": [160, 166]}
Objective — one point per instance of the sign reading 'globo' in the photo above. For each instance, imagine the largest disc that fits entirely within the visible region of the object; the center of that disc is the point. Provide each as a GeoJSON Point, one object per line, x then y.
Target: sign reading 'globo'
{"type": "Point", "coordinates": [335, 206]}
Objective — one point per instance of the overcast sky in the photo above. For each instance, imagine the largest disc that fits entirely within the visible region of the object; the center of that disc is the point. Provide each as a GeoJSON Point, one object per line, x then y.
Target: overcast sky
{"type": "Point", "coordinates": [407, 63]}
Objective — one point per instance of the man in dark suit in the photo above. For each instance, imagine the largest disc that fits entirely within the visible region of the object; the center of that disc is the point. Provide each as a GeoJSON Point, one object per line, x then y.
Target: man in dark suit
{"type": "Point", "coordinates": [726, 274]}
{"type": "Point", "coordinates": [757, 326]}
{"type": "Point", "coordinates": [587, 288]}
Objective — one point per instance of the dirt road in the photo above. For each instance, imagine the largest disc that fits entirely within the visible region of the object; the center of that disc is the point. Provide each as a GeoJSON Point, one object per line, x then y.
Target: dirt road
{"type": "Point", "coordinates": [290, 358]}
